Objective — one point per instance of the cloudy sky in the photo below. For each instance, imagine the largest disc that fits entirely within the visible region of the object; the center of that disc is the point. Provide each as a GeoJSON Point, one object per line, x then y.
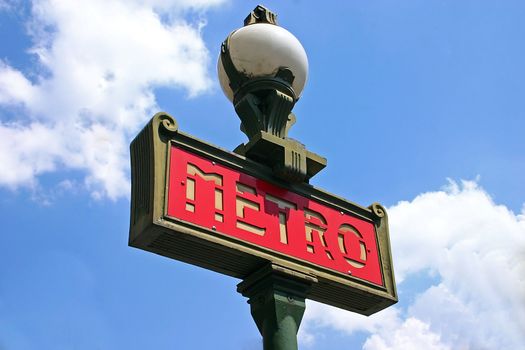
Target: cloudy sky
{"type": "Point", "coordinates": [418, 105]}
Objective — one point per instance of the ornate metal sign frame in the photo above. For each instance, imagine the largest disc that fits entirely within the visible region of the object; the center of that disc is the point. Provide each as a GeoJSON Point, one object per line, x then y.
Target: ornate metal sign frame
{"type": "Point", "coordinates": [152, 229]}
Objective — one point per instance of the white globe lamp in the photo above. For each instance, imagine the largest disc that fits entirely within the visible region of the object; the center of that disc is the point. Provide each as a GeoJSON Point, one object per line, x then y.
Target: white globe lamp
{"type": "Point", "coordinates": [262, 70]}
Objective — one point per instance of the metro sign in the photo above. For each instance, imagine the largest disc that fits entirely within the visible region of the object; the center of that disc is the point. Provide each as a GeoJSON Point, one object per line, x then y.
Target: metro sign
{"type": "Point", "coordinates": [200, 204]}
{"type": "Point", "coordinates": [210, 195]}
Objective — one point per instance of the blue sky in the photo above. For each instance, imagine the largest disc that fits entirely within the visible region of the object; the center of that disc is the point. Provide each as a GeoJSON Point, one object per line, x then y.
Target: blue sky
{"type": "Point", "coordinates": [416, 104]}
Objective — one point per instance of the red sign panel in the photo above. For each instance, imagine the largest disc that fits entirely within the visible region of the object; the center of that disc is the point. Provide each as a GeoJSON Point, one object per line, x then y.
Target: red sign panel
{"type": "Point", "coordinates": [239, 205]}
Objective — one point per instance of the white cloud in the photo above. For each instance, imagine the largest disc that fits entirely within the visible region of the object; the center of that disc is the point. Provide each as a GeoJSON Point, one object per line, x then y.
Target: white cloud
{"type": "Point", "coordinates": [319, 315]}
{"type": "Point", "coordinates": [411, 335]}
{"type": "Point", "coordinates": [14, 87]}
{"type": "Point", "coordinates": [475, 251]}
{"type": "Point", "coordinates": [21, 155]}
{"type": "Point", "coordinates": [98, 63]}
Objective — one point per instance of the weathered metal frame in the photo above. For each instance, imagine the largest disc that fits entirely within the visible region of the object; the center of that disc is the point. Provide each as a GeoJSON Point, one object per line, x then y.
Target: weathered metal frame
{"type": "Point", "coordinates": [153, 230]}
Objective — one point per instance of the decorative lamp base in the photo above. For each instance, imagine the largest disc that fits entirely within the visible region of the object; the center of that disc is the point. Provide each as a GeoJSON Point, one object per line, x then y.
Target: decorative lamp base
{"type": "Point", "coordinates": [288, 158]}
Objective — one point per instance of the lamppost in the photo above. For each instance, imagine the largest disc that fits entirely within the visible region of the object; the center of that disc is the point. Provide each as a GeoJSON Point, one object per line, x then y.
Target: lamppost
{"type": "Point", "coordinates": [251, 213]}
{"type": "Point", "coordinates": [263, 69]}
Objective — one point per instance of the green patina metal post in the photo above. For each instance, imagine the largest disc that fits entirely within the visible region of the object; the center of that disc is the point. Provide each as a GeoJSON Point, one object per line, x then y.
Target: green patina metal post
{"type": "Point", "coordinates": [277, 301]}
